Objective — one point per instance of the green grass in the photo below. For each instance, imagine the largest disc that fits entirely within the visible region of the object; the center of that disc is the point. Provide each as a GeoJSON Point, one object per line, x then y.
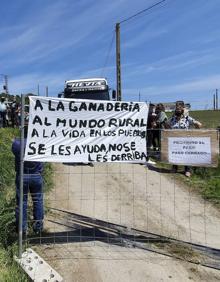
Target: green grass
{"type": "Point", "coordinates": [9, 269]}
{"type": "Point", "coordinates": [208, 118]}
{"type": "Point", "coordinates": [205, 181]}
{"type": "Point", "coordinates": [208, 182]}
{"type": "Point", "coordinates": [7, 186]}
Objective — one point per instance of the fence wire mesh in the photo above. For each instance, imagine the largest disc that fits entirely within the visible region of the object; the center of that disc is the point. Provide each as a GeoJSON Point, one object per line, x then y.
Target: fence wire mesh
{"type": "Point", "coordinates": [121, 211]}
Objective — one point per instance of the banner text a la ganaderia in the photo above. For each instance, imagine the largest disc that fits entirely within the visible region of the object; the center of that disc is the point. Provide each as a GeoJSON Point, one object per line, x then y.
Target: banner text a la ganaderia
{"type": "Point", "coordinates": [67, 130]}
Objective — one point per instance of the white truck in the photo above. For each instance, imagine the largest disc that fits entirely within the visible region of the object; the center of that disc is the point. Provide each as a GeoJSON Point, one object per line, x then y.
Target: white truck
{"type": "Point", "coordinates": [89, 88]}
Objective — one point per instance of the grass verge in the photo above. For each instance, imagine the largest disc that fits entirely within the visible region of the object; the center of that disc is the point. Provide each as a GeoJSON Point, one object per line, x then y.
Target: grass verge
{"type": "Point", "coordinates": [9, 269]}
{"type": "Point", "coordinates": [207, 180]}
{"type": "Point", "coordinates": [204, 180]}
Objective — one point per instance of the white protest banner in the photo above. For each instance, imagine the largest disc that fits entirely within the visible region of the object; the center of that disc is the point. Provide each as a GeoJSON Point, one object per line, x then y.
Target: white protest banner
{"type": "Point", "coordinates": [189, 150]}
{"type": "Point", "coordinates": [67, 130]}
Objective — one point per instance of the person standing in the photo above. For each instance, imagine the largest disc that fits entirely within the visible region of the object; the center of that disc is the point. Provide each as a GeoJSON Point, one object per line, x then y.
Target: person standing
{"type": "Point", "coordinates": [3, 111]}
{"type": "Point", "coordinates": [14, 107]}
{"type": "Point", "coordinates": [181, 121]}
{"type": "Point", "coordinates": [161, 123]}
{"type": "Point", "coordinates": [182, 104]}
{"type": "Point", "coordinates": [150, 133]}
{"type": "Point", "coordinates": [33, 183]}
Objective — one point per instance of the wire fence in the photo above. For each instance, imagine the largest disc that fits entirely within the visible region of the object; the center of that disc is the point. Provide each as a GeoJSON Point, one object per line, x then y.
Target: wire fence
{"type": "Point", "coordinates": [122, 211]}
{"type": "Point", "coordinates": [114, 211]}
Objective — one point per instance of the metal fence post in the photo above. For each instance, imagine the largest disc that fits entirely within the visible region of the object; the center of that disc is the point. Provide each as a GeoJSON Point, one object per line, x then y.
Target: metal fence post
{"type": "Point", "coordinates": [21, 176]}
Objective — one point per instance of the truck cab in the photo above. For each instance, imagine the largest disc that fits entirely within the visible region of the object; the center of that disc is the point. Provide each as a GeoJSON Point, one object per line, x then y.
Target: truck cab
{"type": "Point", "coordinates": [89, 88]}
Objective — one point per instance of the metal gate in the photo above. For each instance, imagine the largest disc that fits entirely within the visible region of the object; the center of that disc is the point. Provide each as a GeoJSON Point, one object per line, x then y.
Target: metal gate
{"type": "Point", "coordinates": [116, 209]}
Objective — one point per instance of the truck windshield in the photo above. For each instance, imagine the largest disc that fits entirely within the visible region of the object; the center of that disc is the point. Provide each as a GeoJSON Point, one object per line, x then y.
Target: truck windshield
{"type": "Point", "coordinates": [91, 95]}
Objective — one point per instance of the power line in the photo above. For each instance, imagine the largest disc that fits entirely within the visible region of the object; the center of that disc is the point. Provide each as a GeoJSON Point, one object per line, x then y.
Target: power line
{"type": "Point", "coordinates": [142, 11]}
{"type": "Point", "coordinates": [125, 20]}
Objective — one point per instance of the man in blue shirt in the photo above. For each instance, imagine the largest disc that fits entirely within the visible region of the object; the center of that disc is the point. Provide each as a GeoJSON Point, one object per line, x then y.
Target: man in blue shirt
{"type": "Point", "coordinates": [33, 183]}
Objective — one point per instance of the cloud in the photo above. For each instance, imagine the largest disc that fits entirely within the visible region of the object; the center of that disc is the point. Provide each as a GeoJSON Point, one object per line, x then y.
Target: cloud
{"type": "Point", "coordinates": [47, 42]}
{"type": "Point", "coordinates": [198, 92]}
{"type": "Point", "coordinates": [181, 61]}
{"type": "Point", "coordinates": [56, 30]}
{"type": "Point", "coordinates": [28, 83]}
{"type": "Point", "coordinates": [200, 85]}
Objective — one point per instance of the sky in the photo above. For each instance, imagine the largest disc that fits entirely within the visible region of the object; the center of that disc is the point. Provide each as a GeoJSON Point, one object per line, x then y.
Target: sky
{"type": "Point", "coordinates": [169, 53]}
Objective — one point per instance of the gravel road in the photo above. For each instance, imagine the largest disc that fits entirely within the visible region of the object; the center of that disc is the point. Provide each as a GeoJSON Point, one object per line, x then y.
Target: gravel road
{"type": "Point", "coordinates": [129, 197]}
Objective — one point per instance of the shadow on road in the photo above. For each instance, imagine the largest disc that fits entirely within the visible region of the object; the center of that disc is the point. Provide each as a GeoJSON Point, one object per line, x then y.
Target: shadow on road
{"type": "Point", "coordinates": [85, 229]}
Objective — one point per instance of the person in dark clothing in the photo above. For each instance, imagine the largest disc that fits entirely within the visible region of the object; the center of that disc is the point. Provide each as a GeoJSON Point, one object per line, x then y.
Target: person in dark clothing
{"type": "Point", "coordinates": [150, 132]}
{"type": "Point", "coordinates": [161, 122]}
{"type": "Point", "coordinates": [33, 183]}
{"type": "Point", "coordinates": [150, 126]}
{"type": "Point", "coordinates": [14, 107]}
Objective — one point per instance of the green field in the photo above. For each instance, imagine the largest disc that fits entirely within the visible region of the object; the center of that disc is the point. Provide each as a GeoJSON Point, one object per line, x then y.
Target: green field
{"type": "Point", "coordinates": [208, 118]}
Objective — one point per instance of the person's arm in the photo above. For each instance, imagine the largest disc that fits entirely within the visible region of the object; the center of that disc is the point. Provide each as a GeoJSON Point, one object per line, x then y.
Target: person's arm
{"type": "Point", "coordinates": [15, 147]}
{"type": "Point", "coordinates": [197, 124]}
{"type": "Point", "coordinates": [194, 122]}
{"type": "Point", "coordinates": [168, 124]}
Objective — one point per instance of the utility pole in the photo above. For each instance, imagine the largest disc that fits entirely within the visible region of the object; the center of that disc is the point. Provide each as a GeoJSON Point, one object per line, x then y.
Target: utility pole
{"type": "Point", "coordinates": [118, 62]}
{"type": "Point", "coordinates": [118, 54]}
{"type": "Point", "coordinates": [214, 102]}
{"type": "Point", "coordinates": [5, 86]}
{"type": "Point", "coordinates": [216, 99]}
{"type": "Point", "coordinates": [46, 91]}
{"type": "Point", "coordinates": [38, 90]}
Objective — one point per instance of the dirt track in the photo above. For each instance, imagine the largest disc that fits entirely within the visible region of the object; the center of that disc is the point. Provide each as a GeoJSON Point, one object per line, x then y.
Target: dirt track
{"type": "Point", "coordinates": [135, 197]}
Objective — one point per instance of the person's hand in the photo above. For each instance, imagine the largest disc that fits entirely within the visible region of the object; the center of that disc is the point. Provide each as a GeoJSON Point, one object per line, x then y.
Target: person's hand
{"type": "Point", "coordinates": [153, 124]}
{"type": "Point", "coordinates": [198, 124]}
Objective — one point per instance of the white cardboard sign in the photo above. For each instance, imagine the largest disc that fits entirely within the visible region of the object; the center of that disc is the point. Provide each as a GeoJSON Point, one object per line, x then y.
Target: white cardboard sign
{"type": "Point", "coordinates": [189, 150]}
{"type": "Point", "coordinates": [67, 130]}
